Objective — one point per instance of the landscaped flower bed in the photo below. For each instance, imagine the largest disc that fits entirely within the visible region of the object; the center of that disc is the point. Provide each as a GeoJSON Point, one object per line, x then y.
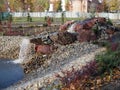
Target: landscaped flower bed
{"type": "Point", "coordinates": [103, 71]}
{"type": "Point", "coordinates": [98, 72]}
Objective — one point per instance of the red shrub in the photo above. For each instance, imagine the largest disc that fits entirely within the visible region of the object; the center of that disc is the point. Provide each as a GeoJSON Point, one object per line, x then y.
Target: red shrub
{"type": "Point", "coordinates": [114, 46]}
{"type": "Point", "coordinates": [78, 78]}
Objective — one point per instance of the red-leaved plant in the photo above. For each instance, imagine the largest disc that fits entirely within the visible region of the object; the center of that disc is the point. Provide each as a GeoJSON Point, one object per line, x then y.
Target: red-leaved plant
{"type": "Point", "coordinates": [114, 46]}
{"type": "Point", "coordinates": [77, 78]}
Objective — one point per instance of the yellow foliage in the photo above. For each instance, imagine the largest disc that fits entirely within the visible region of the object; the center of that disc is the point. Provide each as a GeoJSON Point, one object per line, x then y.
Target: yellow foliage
{"type": "Point", "coordinates": [2, 5]}
{"type": "Point", "coordinates": [114, 5]}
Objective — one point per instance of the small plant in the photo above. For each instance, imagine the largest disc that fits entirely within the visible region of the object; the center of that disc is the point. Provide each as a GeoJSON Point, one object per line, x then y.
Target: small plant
{"type": "Point", "coordinates": [95, 29]}
{"type": "Point", "coordinates": [29, 18]}
{"type": "Point", "coordinates": [45, 19]}
{"type": "Point", "coordinates": [109, 22]}
{"type": "Point", "coordinates": [27, 34]}
{"type": "Point", "coordinates": [90, 68]}
{"type": "Point", "coordinates": [108, 61]}
{"type": "Point", "coordinates": [10, 18]}
{"type": "Point", "coordinates": [92, 14]}
{"type": "Point", "coordinates": [113, 46]}
{"type": "Point", "coordinates": [63, 17]}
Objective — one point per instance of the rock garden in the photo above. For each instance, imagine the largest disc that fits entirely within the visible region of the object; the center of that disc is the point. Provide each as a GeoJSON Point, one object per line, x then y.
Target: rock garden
{"type": "Point", "coordinates": [78, 55]}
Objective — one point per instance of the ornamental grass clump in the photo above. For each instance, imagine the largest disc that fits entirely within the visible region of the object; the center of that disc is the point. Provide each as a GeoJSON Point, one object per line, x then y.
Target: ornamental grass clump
{"type": "Point", "coordinates": [108, 61]}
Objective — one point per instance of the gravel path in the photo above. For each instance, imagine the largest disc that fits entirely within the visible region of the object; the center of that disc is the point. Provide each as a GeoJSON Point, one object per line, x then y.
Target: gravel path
{"type": "Point", "coordinates": [74, 55]}
{"type": "Point", "coordinates": [9, 46]}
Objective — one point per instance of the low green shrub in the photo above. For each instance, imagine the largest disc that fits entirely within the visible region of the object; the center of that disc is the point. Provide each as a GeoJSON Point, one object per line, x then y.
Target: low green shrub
{"type": "Point", "coordinates": [108, 60]}
{"type": "Point", "coordinates": [2, 33]}
{"type": "Point", "coordinates": [29, 18]}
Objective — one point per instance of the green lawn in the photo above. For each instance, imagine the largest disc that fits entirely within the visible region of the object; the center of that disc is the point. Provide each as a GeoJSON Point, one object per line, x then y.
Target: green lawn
{"type": "Point", "coordinates": [24, 19]}
{"type": "Point", "coordinates": [40, 19]}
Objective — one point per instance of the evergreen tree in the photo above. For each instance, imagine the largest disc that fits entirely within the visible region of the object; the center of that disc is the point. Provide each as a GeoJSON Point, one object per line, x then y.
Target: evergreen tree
{"type": "Point", "coordinates": [59, 8]}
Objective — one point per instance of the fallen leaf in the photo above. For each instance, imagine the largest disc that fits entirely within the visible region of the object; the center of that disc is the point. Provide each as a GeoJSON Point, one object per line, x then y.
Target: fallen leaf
{"type": "Point", "coordinates": [98, 81]}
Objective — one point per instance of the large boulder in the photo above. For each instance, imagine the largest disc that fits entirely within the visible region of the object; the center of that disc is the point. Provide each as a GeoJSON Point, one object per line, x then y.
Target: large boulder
{"type": "Point", "coordinates": [66, 38]}
{"type": "Point", "coordinates": [79, 26]}
{"type": "Point", "coordinates": [101, 20]}
{"type": "Point", "coordinates": [66, 25]}
{"type": "Point", "coordinates": [36, 41]}
{"type": "Point", "coordinates": [86, 35]}
{"type": "Point", "coordinates": [44, 49]}
{"type": "Point", "coordinates": [54, 37]}
{"type": "Point", "coordinates": [88, 24]}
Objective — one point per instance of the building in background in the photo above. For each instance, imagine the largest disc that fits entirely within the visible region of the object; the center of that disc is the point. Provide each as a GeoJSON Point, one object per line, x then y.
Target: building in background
{"type": "Point", "coordinates": [77, 5]}
{"type": "Point", "coordinates": [85, 5]}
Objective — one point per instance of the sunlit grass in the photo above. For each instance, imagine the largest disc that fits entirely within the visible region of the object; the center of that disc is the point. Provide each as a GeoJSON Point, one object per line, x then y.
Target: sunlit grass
{"type": "Point", "coordinates": [24, 19]}
{"type": "Point", "coordinates": [41, 19]}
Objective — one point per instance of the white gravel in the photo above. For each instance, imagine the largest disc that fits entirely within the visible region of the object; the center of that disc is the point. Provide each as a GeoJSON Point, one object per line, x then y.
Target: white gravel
{"type": "Point", "coordinates": [74, 55]}
{"type": "Point", "coordinates": [9, 45]}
